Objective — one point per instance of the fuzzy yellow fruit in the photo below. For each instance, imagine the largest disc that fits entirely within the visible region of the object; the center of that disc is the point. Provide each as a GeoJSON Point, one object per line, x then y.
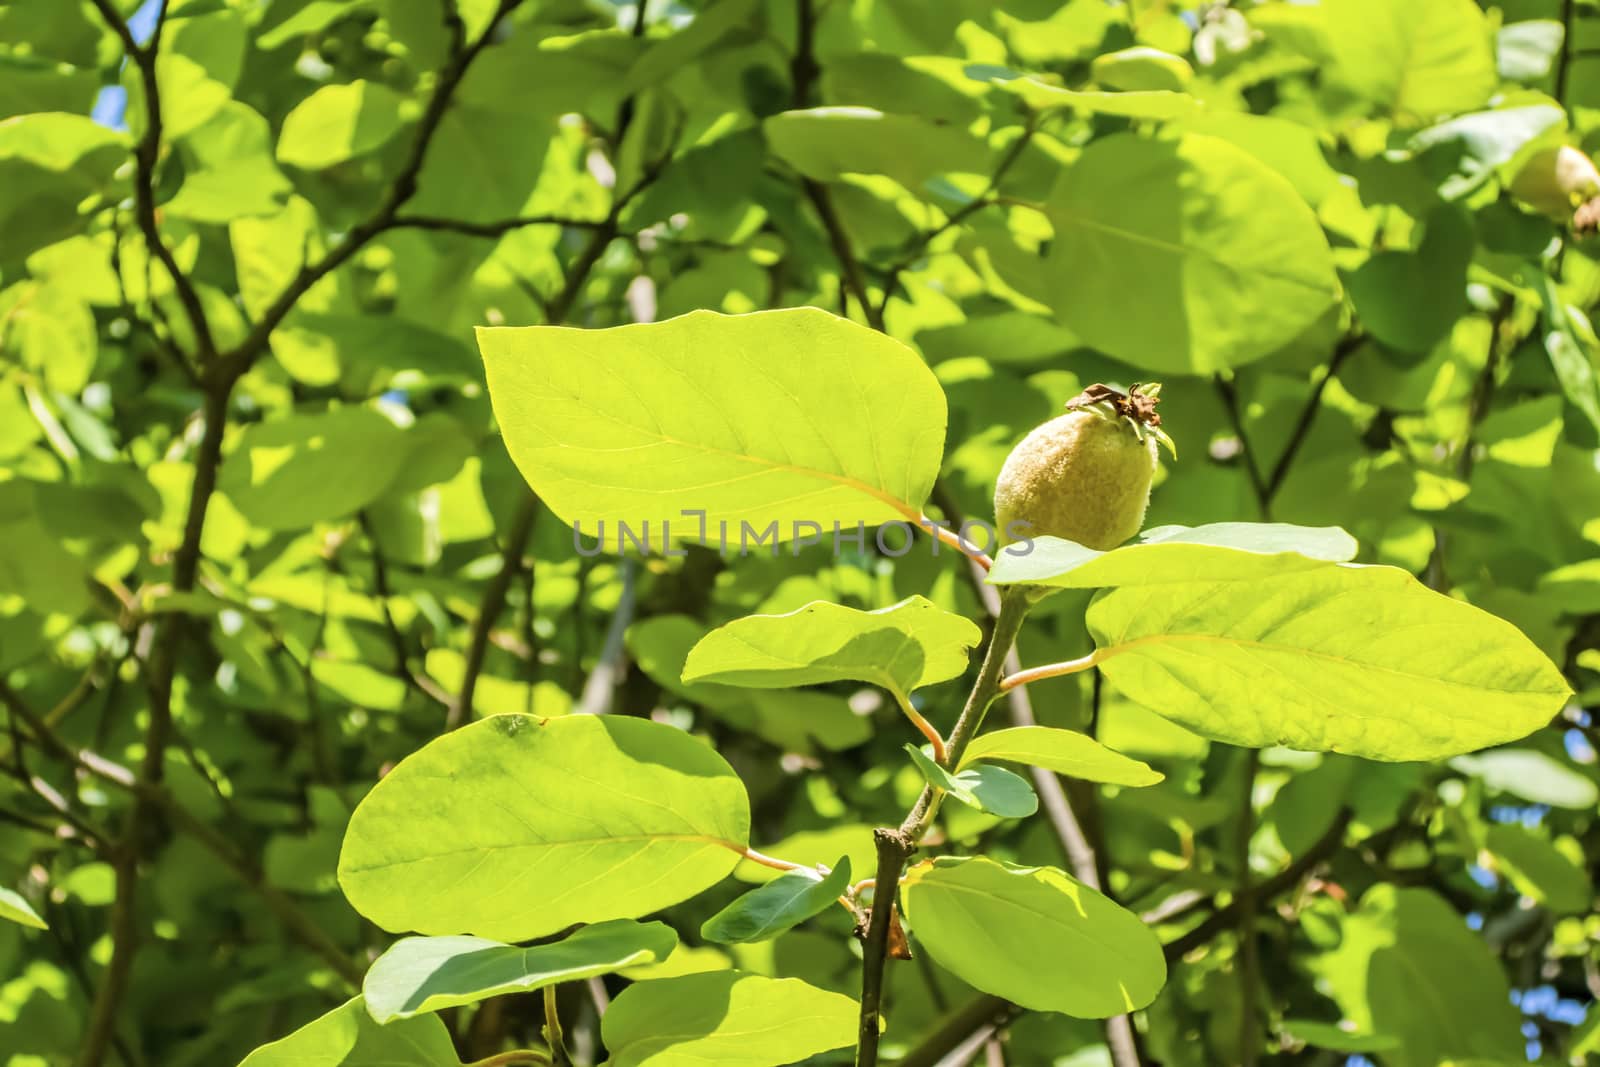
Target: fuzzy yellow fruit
{"type": "Point", "coordinates": [1559, 182]}
{"type": "Point", "coordinates": [1083, 476]}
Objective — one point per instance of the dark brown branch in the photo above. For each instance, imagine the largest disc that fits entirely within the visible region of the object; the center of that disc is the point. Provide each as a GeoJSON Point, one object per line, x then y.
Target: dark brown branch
{"type": "Point", "coordinates": [1230, 406]}
{"type": "Point", "coordinates": [979, 1012]}
{"type": "Point", "coordinates": [1227, 917]}
{"type": "Point", "coordinates": [920, 243]}
{"type": "Point", "coordinates": [498, 228]}
{"type": "Point", "coordinates": [398, 195]}
{"type": "Point", "coordinates": [494, 596]}
{"type": "Point", "coordinates": [147, 156]}
{"type": "Point", "coordinates": [301, 927]}
{"type": "Point", "coordinates": [1308, 415]}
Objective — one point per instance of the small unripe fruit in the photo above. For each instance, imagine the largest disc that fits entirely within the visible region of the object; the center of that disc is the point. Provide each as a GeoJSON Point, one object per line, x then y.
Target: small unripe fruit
{"type": "Point", "coordinates": [1562, 183]}
{"type": "Point", "coordinates": [1084, 476]}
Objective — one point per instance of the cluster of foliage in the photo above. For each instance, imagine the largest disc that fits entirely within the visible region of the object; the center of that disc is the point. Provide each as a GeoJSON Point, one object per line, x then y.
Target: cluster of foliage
{"type": "Point", "coordinates": [299, 654]}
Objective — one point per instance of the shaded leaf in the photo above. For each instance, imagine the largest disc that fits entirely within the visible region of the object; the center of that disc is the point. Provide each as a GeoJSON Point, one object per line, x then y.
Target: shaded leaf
{"type": "Point", "coordinates": [783, 903]}
{"type": "Point", "coordinates": [427, 974]}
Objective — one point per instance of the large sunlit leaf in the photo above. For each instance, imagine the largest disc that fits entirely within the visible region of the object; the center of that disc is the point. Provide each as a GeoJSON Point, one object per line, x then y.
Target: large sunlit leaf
{"type": "Point", "coordinates": [781, 904]}
{"type": "Point", "coordinates": [1033, 935]}
{"type": "Point", "coordinates": [1341, 658]}
{"type": "Point", "coordinates": [426, 974]}
{"type": "Point", "coordinates": [516, 827]}
{"type": "Point", "coordinates": [1184, 256]}
{"type": "Point", "coordinates": [901, 648]}
{"type": "Point", "coordinates": [1217, 552]}
{"type": "Point", "coordinates": [349, 1037]}
{"type": "Point", "coordinates": [1063, 751]}
{"type": "Point", "coordinates": [1418, 60]}
{"type": "Point", "coordinates": [725, 1017]}
{"type": "Point", "coordinates": [775, 418]}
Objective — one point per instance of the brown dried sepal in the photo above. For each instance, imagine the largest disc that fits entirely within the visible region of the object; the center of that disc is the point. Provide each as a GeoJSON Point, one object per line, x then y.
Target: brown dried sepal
{"type": "Point", "coordinates": [1135, 404]}
{"type": "Point", "coordinates": [1586, 219]}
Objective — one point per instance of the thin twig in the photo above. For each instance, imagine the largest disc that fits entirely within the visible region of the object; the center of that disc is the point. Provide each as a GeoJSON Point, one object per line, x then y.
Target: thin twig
{"type": "Point", "coordinates": [498, 228]}
{"type": "Point", "coordinates": [398, 195]}
{"type": "Point", "coordinates": [147, 156]}
{"type": "Point", "coordinates": [1227, 917]}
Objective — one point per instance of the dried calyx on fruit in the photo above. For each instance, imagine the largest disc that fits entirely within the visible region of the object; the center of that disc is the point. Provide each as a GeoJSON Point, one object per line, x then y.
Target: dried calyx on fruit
{"type": "Point", "coordinates": [1084, 476]}
{"type": "Point", "coordinates": [1562, 183]}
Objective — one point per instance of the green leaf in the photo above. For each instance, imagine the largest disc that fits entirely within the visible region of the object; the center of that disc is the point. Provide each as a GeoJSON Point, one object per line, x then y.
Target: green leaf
{"type": "Point", "coordinates": [1063, 751]}
{"type": "Point", "coordinates": [588, 817]}
{"type": "Point", "coordinates": [291, 472]}
{"type": "Point", "coordinates": [1342, 658]}
{"type": "Point", "coordinates": [1184, 256]}
{"type": "Point", "coordinates": [1221, 551]}
{"type": "Point", "coordinates": [1526, 51]}
{"type": "Point", "coordinates": [15, 908]}
{"type": "Point", "coordinates": [1539, 869]}
{"type": "Point", "coordinates": [991, 789]}
{"type": "Point", "coordinates": [746, 417]}
{"type": "Point", "coordinates": [349, 1037]}
{"type": "Point", "coordinates": [1406, 966]}
{"type": "Point", "coordinates": [1476, 146]}
{"type": "Point", "coordinates": [1570, 342]}
{"type": "Point", "coordinates": [1410, 300]}
{"type": "Point", "coordinates": [783, 903]}
{"type": "Point", "coordinates": [725, 1017]}
{"type": "Point", "coordinates": [1531, 775]}
{"type": "Point", "coordinates": [1033, 935]}
{"type": "Point", "coordinates": [1418, 60]}
{"type": "Point", "coordinates": [1156, 104]}
{"type": "Point", "coordinates": [901, 648]}
{"type": "Point", "coordinates": [826, 143]}
{"type": "Point", "coordinates": [427, 974]}
{"type": "Point", "coordinates": [1142, 69]}
{"type": "Point", "coordinates": [49, 165]}
{"type": "Point", "coordinates": [339, 122]}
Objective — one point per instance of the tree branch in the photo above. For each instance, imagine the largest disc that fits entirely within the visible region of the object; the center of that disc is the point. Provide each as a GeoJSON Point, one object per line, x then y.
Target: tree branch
{"type": "Point", "coordinates": [896, 846]}
{"type": "Point", "coordinates": [1228, 916]}
{"type": "Point", "coordinates": [147, 155]}
{"type": "Point", "coordinates": [398, 195]}
{"type": "Point", "coordinates": [298, 924]}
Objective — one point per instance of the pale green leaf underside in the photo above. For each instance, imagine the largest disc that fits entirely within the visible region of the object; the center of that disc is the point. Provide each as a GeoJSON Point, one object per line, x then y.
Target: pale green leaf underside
{"type": "Point", "coordinates": [1342, 658]}
{"type": "Point", "coordinates": [15, 907]}
{"type": "Point", "coordinates": [1062, 751]}
{"type": "Point", "coordinates": [791, 416]}
{"type": "Point", "coordinates": [1184, 256]}
{"type": "Point", "coordinates": [349, 1037]}
{"type": "Point", "coordinates": [516, 827]}
{"type": "Point", "coordinates": [781, 904]}
{"type": "Point", "coordinates": [1531, 775]}
{"type": "Point", "coordinates": [901, 648]}
{"type": "Point", "coordinates": [426, 974]}
{"type": "Point", "coordinates": [725, 1017]}
{"type": "Point", "coordinates": [1033, 935]}
{"type": "Point", "coordinates": [1218, 551]}
{"type": "Point", "coordinates": [985, 788]}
